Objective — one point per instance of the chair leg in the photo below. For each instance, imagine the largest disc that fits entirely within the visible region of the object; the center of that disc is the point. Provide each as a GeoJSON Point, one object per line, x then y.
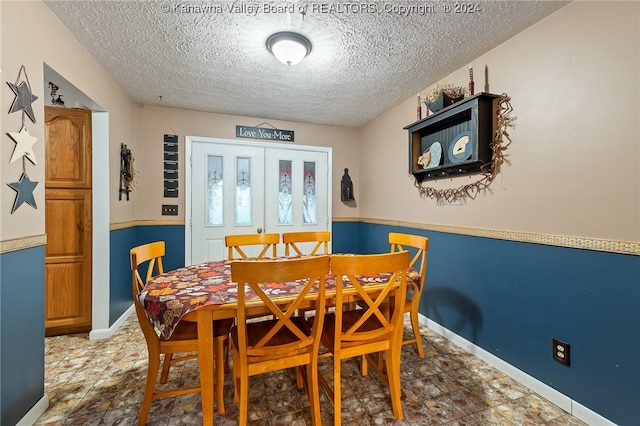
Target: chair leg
{"type": "Point", "coordinates": [314, 393]}
{"type": "Point", "coordinates": [363, 365]}
{"type": "Point", "coordinates": [299, 378]}
{"type": "Point", "coordinates": [243, 406]}
{"type": "Point", "coordinates": [393, 376]}
{"type": "Point", "coordinates": [416, 331]}
{"type": "Point", "coordinates": [152, 376]}
{"type": "Point", "coordinates": [165, 367]}
{"type": "Point", "coordinates": [227, 349]}
{"type": "Point", "coordinates": [337, 412]}
{"type": "Point", "coordinates": [236, 378]}
{"type": "Point", "coordinates": [220, 369]}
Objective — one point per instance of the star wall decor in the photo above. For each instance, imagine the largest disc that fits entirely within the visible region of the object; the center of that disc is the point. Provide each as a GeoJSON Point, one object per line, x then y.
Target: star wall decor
{"type": "Point", "coordinates": [23, 100]}
{"type": "Point", "coordinates": [24, 145]}
{"type": "Point", "coordinates": [24, 188]}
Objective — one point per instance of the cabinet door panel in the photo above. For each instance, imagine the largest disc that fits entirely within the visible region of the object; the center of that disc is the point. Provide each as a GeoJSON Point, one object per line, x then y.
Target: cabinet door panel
{"type": "Point", "coordinates": [68, 148]}
{"type": "Point", "coordinates": [68, 260]}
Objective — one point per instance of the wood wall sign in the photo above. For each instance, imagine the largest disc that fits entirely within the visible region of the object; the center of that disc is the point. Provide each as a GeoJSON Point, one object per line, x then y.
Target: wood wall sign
{"type": "Point", "coordinates": [263, 133]}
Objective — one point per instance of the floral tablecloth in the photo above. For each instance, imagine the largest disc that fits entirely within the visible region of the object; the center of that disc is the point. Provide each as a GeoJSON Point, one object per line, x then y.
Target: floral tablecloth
{"type": "Point", "coordinates": [168, 297]}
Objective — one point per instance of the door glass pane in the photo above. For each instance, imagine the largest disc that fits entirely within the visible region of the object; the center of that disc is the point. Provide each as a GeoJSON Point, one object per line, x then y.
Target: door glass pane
{"type": "Point", "coordinates": [243, 191]}
{"type": "Point", "coordinates": [284, 193]}
{"type": "Point", "coordinates": [215, 200]}
{"type": "Point", "coordinates": [309, 196]}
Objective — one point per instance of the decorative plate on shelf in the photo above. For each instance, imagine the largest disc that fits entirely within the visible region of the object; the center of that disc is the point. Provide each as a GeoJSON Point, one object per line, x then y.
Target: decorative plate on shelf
{"type": "Point", "coordinates": [436, 154]}
{"type": "Point", "coordinates": [460, 148]}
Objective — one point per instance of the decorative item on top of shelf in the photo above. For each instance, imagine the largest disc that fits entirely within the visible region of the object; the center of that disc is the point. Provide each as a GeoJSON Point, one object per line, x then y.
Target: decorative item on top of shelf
{"type": "Point", "coordinates": [54, 91]}
{"type": "Point", "coordinates": [126, 171]}
{"type": "Point", "coordinates": [444, 95]}
{"type": "Point", "coordinates": [500, 143]}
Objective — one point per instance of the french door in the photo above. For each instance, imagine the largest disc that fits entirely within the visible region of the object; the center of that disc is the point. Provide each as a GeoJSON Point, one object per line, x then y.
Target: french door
{"type": "Point", "coordinates": [236, 187]}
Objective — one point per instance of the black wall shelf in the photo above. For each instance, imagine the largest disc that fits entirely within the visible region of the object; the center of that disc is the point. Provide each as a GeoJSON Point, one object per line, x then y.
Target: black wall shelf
{"type": "Point", "coordinates": [471, 120]}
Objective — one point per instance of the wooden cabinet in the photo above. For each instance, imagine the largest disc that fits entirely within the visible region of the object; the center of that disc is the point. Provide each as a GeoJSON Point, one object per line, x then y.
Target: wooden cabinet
{"type": "Point", "coordinates": [68, 220]}
{"type": "Point", "coordinates": [457, 139]}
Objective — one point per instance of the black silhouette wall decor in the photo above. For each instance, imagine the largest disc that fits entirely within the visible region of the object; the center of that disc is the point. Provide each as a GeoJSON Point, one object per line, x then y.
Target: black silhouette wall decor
{"type": "Point", "coordinates": [346, 193]}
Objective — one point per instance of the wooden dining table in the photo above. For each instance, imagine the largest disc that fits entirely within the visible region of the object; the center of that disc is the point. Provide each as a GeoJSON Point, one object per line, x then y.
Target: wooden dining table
{"type": "Point", "coordinates": [203, 293]}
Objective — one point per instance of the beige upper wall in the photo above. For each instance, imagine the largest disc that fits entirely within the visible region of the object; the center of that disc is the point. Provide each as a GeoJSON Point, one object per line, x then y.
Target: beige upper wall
{"type": "Point", "coordinates": [32, 36]}
{"type": "Point", "coordinates": [575, 158]}
{"type": "Point", "coordinates": [573, 79]}
{"type": "Point", "coordinates": [154, 122]}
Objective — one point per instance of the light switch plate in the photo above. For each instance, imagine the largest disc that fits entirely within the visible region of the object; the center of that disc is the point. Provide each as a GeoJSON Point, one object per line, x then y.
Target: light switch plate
{"type": "Point", "coordinates": [170, 210]}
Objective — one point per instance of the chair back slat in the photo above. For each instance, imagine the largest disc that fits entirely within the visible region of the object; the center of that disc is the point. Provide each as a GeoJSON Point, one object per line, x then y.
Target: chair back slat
{"type": "Point", "coordinates": [386, 281]}
{"type": "Point", "coordinates": [151, 253]}
{"type": "Point", "coordinates": [417, 244]}
{"type": "Point", "coordinates": [262, 278]}
{"type": "Point", "coordinates": [269, 243]}
{"type": "Point", "coordinates": [292, 242]}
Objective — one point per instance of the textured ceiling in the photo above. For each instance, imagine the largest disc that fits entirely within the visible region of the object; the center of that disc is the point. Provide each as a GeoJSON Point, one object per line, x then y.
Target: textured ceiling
{"type": "Point", "coordinates": [366, 57]}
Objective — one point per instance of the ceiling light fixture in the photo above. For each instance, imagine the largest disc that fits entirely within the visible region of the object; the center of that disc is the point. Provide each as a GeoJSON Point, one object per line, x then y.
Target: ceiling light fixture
{"type": "Point", "coordinates": [289, 48]}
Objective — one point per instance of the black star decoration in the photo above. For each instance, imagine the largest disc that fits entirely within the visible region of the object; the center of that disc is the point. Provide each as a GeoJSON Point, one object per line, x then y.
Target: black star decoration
{"type": "Point", "coordinates": [23, 99]}
{"type": "Point", "coordinates": [24, 187]}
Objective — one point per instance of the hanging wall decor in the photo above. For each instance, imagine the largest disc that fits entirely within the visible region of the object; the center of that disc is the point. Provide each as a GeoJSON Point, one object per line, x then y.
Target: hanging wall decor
{"type": "Point", "coordinates": [24, 145]}
{"type": "Point", "coordinates": [24, 98]}
{"type": "Point", "coordinates": [126, 171]}
{"type": "Point", "coordinates": [24, 188]}
{"type": "Point", "coordinates": [458, 153]}
{"type": "Point", "coordinates": [24, 141]}
{"type": "Point", "coordinates": [346, 187]}
{"type": "Point", "coordinates": [170, 165]}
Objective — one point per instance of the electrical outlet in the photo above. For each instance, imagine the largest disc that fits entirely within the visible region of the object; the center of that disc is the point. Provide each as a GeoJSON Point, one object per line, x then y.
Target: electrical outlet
{"type": "Point", "coordinates": [561, 352]}
{"type": "Point", "coordinates": [170, 210]}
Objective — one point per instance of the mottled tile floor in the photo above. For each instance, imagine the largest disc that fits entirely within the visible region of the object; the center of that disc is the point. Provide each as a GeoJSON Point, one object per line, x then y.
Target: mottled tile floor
{"type": "Point", "coordinates": [101, 383]}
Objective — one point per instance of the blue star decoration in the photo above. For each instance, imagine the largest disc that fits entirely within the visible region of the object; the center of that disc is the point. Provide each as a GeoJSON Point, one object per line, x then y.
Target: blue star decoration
{"type": "Point", "coordinates": [23, 100]}
{"type": "Point", "coordinates": [24, 187]}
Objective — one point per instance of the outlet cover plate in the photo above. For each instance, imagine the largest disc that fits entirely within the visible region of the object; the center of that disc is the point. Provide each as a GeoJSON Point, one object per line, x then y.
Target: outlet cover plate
{"type": "Point", "coordinates": [561, 352]}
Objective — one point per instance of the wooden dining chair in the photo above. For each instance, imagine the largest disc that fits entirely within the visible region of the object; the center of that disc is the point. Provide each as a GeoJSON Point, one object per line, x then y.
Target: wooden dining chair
{"type": "Point", "coordinates": [235, 243]}
{"type": "Point", "coordinates": [183, 340]}
{"type": "Point", "coordinates": [286, 340]}
{"type": "Point", "coordinates": [418, 245]}
{"type": "Point", "coordinates": [374, 326]}
{"type": "Point", "coordinates": [292, 242]}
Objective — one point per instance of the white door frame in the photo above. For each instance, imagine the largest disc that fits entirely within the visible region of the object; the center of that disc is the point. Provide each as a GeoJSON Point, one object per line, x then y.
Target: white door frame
{"type": "Point", "coordinates": [190, 140]}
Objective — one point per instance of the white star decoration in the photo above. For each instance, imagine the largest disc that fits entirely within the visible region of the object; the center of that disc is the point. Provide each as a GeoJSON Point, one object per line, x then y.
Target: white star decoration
{"type": "Point", "coordinates": [24, 145]}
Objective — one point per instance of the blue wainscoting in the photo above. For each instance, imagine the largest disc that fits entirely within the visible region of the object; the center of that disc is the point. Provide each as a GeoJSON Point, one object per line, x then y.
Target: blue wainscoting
{"type": "Point", "coordinates": [21, 332]}
{"type": "Point", "coordinates": [511, 299]}
{"type": "Point", "coordinates": [345, 237]}
{"type": "Point", "coordinates": [122, 240]}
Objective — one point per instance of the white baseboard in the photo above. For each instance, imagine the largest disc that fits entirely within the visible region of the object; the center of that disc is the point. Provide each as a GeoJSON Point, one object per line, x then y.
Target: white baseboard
{"type": "Point", "coordinates": [108, 332]}
{"type": "Point", "coordinates": [36, 411]}
{"type": "Point", "coordinates": [561, 400]}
